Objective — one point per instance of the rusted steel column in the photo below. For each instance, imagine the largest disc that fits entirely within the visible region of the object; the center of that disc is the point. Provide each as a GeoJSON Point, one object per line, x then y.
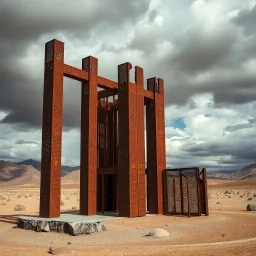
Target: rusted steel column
{"type": "Point", "coordinates": [156, 161]}
{"type": "Point", "coordinates": [127, 148]}
{"type": "Point", "coordinates": [88, 152]}
{"type": "Point", "coordinates": [205, 201]}
{"type": "Point", "coordinates": [140, 141]}
{"type": "Point", "coordinates": [52, 130]}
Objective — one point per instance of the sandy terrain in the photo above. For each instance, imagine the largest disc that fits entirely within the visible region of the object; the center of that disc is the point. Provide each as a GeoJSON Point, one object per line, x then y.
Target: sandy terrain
{"type": "Point", "coordinates": [229, 230]}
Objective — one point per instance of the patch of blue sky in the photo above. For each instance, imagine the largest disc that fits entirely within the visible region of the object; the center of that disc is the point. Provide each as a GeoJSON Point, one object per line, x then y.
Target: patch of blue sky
{"type": "Point", "coordinates": [178, 123]}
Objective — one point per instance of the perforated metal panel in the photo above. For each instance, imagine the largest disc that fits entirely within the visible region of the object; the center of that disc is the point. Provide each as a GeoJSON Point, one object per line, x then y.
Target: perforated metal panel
{"type": "Point", "coordinates": [182, 191]}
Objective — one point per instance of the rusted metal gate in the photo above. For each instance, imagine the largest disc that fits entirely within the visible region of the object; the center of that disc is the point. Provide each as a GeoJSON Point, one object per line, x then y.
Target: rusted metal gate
{"type": "Point", "coordinates": [185, 192]}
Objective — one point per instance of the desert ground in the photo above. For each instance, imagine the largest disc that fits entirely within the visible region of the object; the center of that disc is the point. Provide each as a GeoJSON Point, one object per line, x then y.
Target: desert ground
{"type": "Point", "coordinates": [229, 230]}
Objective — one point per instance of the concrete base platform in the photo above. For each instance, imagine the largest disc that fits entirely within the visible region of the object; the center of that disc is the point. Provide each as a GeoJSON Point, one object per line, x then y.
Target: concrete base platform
{"type": "Point", "coordinates": [72, 224]}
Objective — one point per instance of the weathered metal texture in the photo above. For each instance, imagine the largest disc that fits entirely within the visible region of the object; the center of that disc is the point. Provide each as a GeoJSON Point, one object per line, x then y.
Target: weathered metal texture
{"type": "Point", "coordinates": [52, 130]}
{"type": "Point", "coordinates": [139, 80]}
{"type": "Point", "coordinates": [198, 192]}
{"type": "Point", "coordinates": [128, 150]}
{"type": "Point", "coordinates": [156, 161]}
{"type": "Point", "coordinates": [88, 152]}
{"type": "Point", "coordinates": [110, 134]}
{"type": "Point", "coordinates": [106, 93]}
{"type": "Point", "coordinates": [75, 73]}
{"type": "Point", "coordinates": [106, 83]}
{"type": "Point", "coordinates": [204, 192]}
{"type": "Point", "coordinates": [128, 125]}
{"type": "Point", "coordinates": [184, 192]}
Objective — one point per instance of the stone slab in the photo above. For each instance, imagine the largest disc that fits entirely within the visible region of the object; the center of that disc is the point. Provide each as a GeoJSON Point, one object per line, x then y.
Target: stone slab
{"type": "Point", "coordinates": [72, 224]}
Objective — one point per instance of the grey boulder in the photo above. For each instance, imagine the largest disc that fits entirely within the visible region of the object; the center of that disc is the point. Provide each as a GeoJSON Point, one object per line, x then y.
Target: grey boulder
{"type": "Point", "coordinates": [251, 207]}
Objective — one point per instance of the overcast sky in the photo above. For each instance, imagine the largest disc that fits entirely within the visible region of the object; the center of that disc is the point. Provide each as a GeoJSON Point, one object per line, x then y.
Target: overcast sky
{"type": "Point", "coordinates": [205, 51]}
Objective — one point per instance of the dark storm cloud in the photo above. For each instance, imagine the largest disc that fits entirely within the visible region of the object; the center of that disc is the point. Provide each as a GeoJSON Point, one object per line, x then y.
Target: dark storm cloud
{"type": "Point", "coordinates": [247, 19]}
{"type": "Point", "coordinates": [29, 20]}
{"type": "Point", "coordinates": [236, 88]}
{"type": "Point", "coordinates": [246, 151]}
{"type": "Point", "coordinates": [26, 142]}
{"type": "Point", "coordinates": [200, 51]}
{"type": "Point", "coordinates": [23, 24]}
{"type": "Point", "coordinates": [241, 126]}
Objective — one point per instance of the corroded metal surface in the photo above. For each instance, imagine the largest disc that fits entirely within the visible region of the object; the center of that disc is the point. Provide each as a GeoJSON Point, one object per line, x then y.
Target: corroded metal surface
{"type": "Point", "coordinates": [156, 161]}
{"type": "Point", "coordinates": [52, 130]}
{"type": "Point", "coordinates": [112, 137]}
{"type": "Point", "coordinates": [185, 192]}
{"type": "Point", "coordinates": [88, 151]}
{"type": "Point", "coordinates": [127, 147]}
{"type": "Point", "coordinates": [139, 79]}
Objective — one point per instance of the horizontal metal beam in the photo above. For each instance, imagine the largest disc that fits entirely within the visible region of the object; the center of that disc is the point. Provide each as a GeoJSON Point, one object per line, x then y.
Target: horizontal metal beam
{"type": "Point", "coordinates": [106, 93]}
{"type": "Point", "coordinates": [106, 83]}
{"type": "Point", "coordinates": [75, 73]}
{"type": "Point", "coordinates": [148, 94]}
{"type": "Point", "coordinates": [110, 86]}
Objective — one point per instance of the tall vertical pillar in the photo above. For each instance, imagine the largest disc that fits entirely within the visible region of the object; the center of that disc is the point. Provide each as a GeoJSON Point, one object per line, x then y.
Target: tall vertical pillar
{"type": "Point", "coordinates": [139, 80]}
{"type": "Point", "coordinates": [52, 130]}
{"type": "Point", "coordinates": [88, 150]}
{"type": "Point", "coordinates": [128, 149]}
{"type": "Point", "coordinates": [156, 157]}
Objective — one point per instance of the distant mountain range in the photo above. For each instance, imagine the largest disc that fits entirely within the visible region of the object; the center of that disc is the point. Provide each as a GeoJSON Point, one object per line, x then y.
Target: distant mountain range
{"type": "Point", "coordinates": [37, 165]}
{"type": "Point", "coordinates": [28, 173]}
{"type": "Point", "coordinates": [246, 173]}
{"type": "Point", "coordinates": [12, 174]}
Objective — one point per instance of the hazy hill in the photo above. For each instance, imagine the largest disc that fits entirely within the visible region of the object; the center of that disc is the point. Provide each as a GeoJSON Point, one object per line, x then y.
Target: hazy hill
{"type": "Point", "coordinates": [220, 175]}
{"type": "Point", "coordinates": [15, 175]}
{"type": "Point", "coordinates": [37, 165]}
{"type": "Point", "coordinates": [247, 172]}
{"type": "Point", "coordinates": [72, 176]}
{"type": "Point", "coordinates": [34, 163]}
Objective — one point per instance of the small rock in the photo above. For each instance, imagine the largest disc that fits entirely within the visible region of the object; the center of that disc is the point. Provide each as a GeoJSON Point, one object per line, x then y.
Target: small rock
{"type": "Point", "coordinates": [74, 207]}
{"type": "Point", "coordinates": [59, 250]}
{"type": "Point", "coordinates": [19, 207]}
{"type": "Point", "coordinates": [158, 232]}
{"type": "Point", "coordinates": [69, 243]}
{"type": "Point", "coordinates": [218, 202]}
{"type": "Point", "coordinates": [138, 227]}
{"type": "Point", "coordinates": [250, 198]}
{"type": "Point", "coordinates": [251, 207]}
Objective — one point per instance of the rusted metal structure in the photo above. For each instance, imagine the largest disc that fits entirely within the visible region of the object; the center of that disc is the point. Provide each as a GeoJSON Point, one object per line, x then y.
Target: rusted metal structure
{"type": "Point", "coordinates": [185, 192]}
{"type": "Point", "coordinates": [112, 155]}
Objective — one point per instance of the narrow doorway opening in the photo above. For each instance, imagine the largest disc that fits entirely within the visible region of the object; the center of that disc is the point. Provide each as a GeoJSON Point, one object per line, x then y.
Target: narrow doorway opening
{"type": "Point", "coordinates": [107, 156]}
